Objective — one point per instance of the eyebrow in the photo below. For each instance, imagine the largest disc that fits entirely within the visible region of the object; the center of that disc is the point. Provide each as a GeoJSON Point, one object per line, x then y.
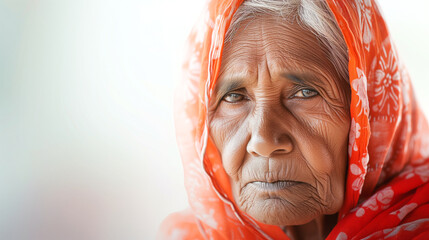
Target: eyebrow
{"type": "Point", "coordinates": [299, 78]}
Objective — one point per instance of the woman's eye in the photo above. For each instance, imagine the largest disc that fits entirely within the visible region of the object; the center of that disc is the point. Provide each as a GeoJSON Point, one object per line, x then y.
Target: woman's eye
{"type": "Point", "coordinates": [233, 97]}
{"type": "Point", "coordinates": [306, 93]}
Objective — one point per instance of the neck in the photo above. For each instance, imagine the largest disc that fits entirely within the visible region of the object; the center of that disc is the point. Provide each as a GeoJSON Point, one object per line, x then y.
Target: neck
{"type": "Point", "coordinates": [318, 228]}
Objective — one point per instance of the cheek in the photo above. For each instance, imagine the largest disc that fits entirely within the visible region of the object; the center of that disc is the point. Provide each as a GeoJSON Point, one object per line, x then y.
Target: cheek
{"type": "Point", "coordinates": [229, 133]}
{"type": "Point", "coordinates": [324, 146]}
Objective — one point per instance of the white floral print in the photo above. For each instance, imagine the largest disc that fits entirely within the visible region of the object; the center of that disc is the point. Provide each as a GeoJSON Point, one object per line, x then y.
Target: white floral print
{"type": "Point", "coordinates": [387, 80]}
{"type": "Point", "coordinates": [360, 86]}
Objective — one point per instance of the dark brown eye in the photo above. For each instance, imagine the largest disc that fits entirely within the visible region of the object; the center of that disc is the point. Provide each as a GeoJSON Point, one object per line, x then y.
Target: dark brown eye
{"type": "Point", "coordinates": [233, 97]}
{"type": "Point", "coordinates": [306, 93]}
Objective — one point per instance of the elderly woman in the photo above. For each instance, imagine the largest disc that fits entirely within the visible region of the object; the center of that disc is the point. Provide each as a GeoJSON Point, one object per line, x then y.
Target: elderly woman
{"type": "Point", "coordinates": [296, 119]}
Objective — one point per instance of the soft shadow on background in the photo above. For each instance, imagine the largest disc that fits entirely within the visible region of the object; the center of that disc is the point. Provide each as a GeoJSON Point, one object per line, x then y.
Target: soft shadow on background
{"type": "Point", "coordinates": [87, 145]}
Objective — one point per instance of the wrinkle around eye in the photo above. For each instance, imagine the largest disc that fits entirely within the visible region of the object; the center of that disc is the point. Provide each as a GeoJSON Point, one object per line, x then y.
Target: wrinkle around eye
{"type": "Point", "coordinates": [237, 108]}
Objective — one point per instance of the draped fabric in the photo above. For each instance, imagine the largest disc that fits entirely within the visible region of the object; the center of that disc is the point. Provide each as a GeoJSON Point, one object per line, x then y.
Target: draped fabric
{"type": "Point", "coordinates": [387, 190]}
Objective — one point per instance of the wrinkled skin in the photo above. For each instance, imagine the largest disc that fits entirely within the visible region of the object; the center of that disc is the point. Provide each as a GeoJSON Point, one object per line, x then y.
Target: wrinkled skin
{"type": "Point", "coordinates": [280, 119]}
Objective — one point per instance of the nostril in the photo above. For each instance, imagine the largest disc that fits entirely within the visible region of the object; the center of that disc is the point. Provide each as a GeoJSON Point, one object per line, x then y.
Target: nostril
{"type": "Point", "coordinates": [254, 154]}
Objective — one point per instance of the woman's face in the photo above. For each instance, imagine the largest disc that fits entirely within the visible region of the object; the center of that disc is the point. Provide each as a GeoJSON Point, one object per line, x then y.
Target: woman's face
{"type": "Point", "coordinates": [280, 119]}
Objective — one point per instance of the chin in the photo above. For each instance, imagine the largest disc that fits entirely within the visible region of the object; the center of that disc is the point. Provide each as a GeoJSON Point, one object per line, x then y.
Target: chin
{"type": "Point", "coordinates": [280, 212]}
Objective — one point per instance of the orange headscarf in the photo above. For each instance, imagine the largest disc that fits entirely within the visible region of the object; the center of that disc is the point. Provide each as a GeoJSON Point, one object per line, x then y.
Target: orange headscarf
{"type": "Point", "coordinates": [387, 190]}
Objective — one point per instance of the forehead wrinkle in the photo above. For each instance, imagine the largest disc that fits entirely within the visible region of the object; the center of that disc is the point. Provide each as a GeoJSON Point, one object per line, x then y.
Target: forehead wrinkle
{"type": "Point", "coordinates": [289, 47]}
{"type": "Point", "coordinates": [236, 63]}
{"type": "Point", "coordinates": [237, 58]}
{"type": "Point", "coordinates": [296, 52]}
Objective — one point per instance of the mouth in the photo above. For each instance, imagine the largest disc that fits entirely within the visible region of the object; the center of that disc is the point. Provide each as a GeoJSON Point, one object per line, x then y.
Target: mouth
{"type": "Point", "coordinates": [274, 186]}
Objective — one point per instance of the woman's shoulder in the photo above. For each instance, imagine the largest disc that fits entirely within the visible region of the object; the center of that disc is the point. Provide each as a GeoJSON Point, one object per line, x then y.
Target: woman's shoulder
{"type": "Point", "coordinates": [179, 225]}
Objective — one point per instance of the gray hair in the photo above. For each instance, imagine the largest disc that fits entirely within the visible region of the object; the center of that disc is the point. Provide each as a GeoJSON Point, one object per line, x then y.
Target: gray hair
{"type": "Point", "coordinates": [313, 15]}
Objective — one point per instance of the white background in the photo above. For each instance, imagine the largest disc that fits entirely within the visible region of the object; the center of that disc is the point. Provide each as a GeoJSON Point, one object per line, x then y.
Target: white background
{"type": "Point", "coordinates": [87, 145]}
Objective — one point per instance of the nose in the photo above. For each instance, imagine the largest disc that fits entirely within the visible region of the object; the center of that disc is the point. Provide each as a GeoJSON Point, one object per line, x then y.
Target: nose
{"type": "Point", "coordinates": [270, 134]}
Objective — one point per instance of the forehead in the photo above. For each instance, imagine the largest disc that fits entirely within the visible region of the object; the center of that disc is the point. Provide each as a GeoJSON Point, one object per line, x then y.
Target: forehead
{"type": "Point", "coordinates": [281, 45]}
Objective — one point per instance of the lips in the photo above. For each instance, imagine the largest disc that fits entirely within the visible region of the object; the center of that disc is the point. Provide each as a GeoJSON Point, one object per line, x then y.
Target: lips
{"type": "Point", "coordinates": [274, 186]}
